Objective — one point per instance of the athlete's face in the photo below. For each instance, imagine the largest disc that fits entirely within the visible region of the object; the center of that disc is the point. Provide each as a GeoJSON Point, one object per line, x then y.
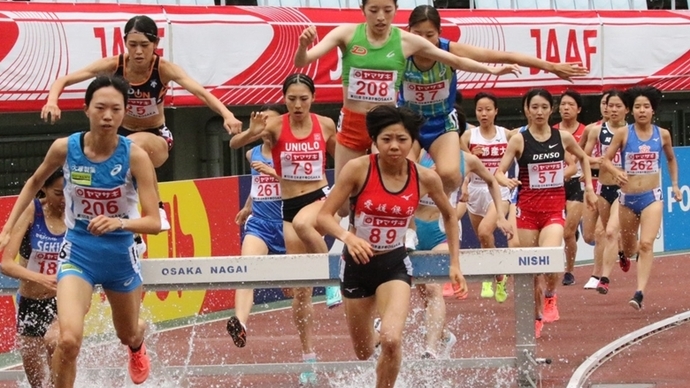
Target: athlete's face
{"type": "Point", "coordinates": [394, 143]}
{"type": "Point", "coordinates": [106, 110]}
{"type": "Point", "coordinates": [603, 107]}
{"type": "Point", "coordinates": [642, 110]}
{"type": "Point", "coordinates": [426, 30]}
{"type": "Point", "coordinates": [486, 111]}
{"type": "Point", "coordinates": [139, 48]}
{"type": "Point", "coordinates": [616, 109]}
{"type": "Point", "coordinates": [55, 197]}
{"type": "Point", "coordinates": [539, 110]}
{"type": "Point", "coordinates": [379, 15]}
{"type": "Point", "coordinates": [568, 108]}
{"type": "Point", "coordinates": [298, 99]}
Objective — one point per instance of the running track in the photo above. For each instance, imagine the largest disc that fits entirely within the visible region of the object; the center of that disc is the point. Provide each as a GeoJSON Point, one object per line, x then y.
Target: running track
{"type": "Point", "coordinates": [484, 329]}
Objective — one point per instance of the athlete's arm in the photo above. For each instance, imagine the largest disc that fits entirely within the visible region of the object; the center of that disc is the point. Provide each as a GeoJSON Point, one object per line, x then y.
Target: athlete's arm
{"type": "Point", "coordinates": [335, 38]}
{"type": "Point", "coordinates": [514, 149]}
{"type": "Point", "coordinates": [430, 183]}
{"type": "Point", "coordinates": [50, 110]}
{"type": "Point", "coordinates": [562, 70]}
{"type": "Point", "coordinates": [667, 146]}
{"type": "Point", "coordinates": [465, 141]}
{"type": "Point", "coordinates": [574, 149]}
{"type": "Point", "coordinates": [350, 180]}
{"type": "Point", "coordinates": [419, 46]}
{"type": "Point", "coordinates": [328, 129]}
{"type": "Point", "coordinates": [10, 267]}
{"type": "Point", "coordinates": [55, 158]}
{"type": "Point", "coordinates": [172, 72]}
{"type": "Point", "coordinates": [619, 138]}
{"type": "Point", "coordinates": [477, 167]}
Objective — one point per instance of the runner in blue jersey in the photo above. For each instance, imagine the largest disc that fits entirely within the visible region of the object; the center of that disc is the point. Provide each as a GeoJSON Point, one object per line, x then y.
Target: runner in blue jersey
{"type": "Point", "coordinates": [101, 215]}
{"type": "Point", "coordinates": [37, 237]}
{"type": "Point", "coordinates": [639, 180]}
{"type": "Point", "coordinates": [429, 88]}
{"type": "Point", "coordinates": [261, 217]}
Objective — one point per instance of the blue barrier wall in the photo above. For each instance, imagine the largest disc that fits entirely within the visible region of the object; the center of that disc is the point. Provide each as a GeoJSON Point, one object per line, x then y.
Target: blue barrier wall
{"type": "Point", "coordinates": [675, 224]}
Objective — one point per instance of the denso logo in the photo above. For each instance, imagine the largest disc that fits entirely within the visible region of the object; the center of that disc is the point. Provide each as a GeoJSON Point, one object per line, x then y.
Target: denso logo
{"type": "Point", "coordinates": [358, 50]}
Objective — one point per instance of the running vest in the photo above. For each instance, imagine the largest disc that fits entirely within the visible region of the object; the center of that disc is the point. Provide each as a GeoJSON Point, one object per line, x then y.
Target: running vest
{"type": "Point", "coordinates": [300, 159]}
{"type": "Point", "coordinates": [265, 192]}
{"type": "Point", "coordinates": [104, 188]}
{"type": "Point", "coordinates": [40, 246]}
{"type": "Point", "coordinates": [604, 142]}
{"type": "Point", "coordinates": [428, 162]}
{"type": "Point", "coordinates": [641, 157]}
{"type": "Point", "coordinates": [372, 74]}
{"type": "Point", "coordinates": [143, 98]}
{"type": "Point", "coordinates": [492, 151]}
{"type": "Point", "coordinates": [380, 216]}
{"type": "Point", "coordinates": [541, 173]}
{"type": "Point", "coordinates": [430, 93]}
{"type": "Point", "coordinates": [579, 131]}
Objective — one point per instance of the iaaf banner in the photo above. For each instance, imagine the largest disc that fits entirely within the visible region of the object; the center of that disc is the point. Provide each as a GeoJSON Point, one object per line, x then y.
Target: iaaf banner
{"type": "Point", "coordinates": [242, 54]}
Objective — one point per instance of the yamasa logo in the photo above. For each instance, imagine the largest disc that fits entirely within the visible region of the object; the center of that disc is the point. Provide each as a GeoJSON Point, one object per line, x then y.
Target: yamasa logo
{"type": "Point", "coordinates": [9, 32]}
{"type": "Point", "coordinates": [358, 50]}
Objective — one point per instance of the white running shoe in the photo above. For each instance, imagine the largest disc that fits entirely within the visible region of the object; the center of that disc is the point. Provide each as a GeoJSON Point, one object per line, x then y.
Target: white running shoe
{"type": "Point", "coordinates": [447, 344]}
{"type": "Point", "coordinates": [165, 225]}
{"type": "Point", "coordinates": [591, 283]}
{"type": "Point", "coordinates": [411, 240]}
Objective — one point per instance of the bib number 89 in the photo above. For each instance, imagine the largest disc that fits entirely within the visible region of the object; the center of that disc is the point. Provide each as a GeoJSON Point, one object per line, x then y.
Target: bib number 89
{"type": "Point", "coordinates": [375, 236]}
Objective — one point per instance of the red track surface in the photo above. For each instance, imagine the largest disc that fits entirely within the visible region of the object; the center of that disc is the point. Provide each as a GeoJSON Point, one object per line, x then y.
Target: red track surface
{"type": "Point", "coordinates": [484, 329]}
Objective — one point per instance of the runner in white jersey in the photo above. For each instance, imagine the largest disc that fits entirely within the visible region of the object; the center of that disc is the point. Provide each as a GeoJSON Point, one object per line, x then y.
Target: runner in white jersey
{"type": "Point", "coordinates": [488, 142]}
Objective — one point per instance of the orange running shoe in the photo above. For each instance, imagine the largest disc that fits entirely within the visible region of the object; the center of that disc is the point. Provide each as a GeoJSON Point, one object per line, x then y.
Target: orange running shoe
{"type": "Point", "coordinates": [139, 364]}
{"type": "Point", "coordinates": [551, 309]}
{"type": "Point", "coordinates": [448, 290]}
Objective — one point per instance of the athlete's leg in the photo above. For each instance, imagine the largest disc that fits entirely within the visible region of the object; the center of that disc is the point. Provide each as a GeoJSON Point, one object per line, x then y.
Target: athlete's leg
{"type": "Point", "coordinates": [155, 146]}
{"type": "Point", "coordinates": [650, 222]}
{"type": "Point", "coordinates": [445, 151]}
{"type": "Point", "coordinates": [244, 297]}
{"type": "Point", "coordinates": [302, 307]}
{"type": "Point", "coordinates": [572, 222]}
{"type": "Point", "coordinates": [393, 303]}
{"type": "Point", "coordinates": [359, 314]}
{"type": "Point", "coordinates": [35, 360]}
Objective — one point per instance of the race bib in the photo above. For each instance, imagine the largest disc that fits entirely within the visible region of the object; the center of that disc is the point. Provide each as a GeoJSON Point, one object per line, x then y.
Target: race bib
{"type": "Point", "coordinates": [426, 94]}
{"type": "Point", "coordinates": [301, 166]}
{"type": "Point", "coordinates": [491, 165]}
{"type": "Point", "coordinates": [265, 188]}
{"type": "Point", "coordinates": [91, 202]}
{"type": "Point", "coordinates": [383, 233]}
{"type": "Point", "coordinates": [641, 163]}
{"type": "Point", "coordinates": [545, 175]}
{"type": "Point", "coordinates": [372, 85]}
{"type": "Point", "coordinates": [616, 158]}
{"type": "Point", "coordinates": [142, 108]}
{"type": "Point", "coordinates": [43, 262]}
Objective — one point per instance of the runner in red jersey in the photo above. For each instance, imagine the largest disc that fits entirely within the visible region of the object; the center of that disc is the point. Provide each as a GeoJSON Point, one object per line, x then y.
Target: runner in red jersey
{"type": "Point", "coordinates": [376, 273]}
{"type": "Point", "coordinates": [299, 141]}
{"type": "Point", "coordinates": [540, 151]}
{"type": "Point", "coordinates": [569, 108]}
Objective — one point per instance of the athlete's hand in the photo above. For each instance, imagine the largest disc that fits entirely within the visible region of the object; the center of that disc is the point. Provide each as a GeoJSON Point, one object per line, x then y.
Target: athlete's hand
{"type": "Point", "coordinates": [242, 216]}
{"type": "Point", "coordinates": [307, 37]}
{"type": "Point", "coordinates": [464, 196]}
{"type": "Point", "coordinates": [232, 125]}
{"type": "Point", "coordinates": [506, 227]}
{"type": "Point", "coordinates": [512, 183]}
{"type": "Point", "coordinates": [592, 199]}
{"type": "Point", "coordinates": [478, 150]}
{"type": "Point", "coordinates": [621, 178]}
{"type": "Point", "coordinates": [50, 113]}
{"type": "Point", "coordinates": [459, 282]}
{"type": "Point", "coordinates": [677, 195]}
{"type": "Point", "coordinates": [47, 281]}
{"type": "Point", "coordinates": [257, 123]}
{"type": "Point", "coordinates": [506, 69]}
{"type": "Point", "coordinates": [102, 225]}
{"type": "Point", "coordinates": [264, 168]}
{"type": "Point", "coordinates": [359, 249]}
{"type": "Point", "coordinates": [569, 69]}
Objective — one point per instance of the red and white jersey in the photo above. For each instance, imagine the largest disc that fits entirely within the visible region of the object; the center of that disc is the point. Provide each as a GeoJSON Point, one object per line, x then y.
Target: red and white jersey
{"type": "Point", "coordinates": [380, 216]}
{"type": "Point", "coordinates": [300, 159]}
{"type": "Point", "coordinates": [492, 151]}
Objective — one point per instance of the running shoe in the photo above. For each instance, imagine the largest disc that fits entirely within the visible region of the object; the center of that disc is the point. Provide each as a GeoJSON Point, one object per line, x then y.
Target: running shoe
{"type": "Point", "coordinates": [165, 225]}
{"type": "Point", "coordinates": [551, 309]}
{"type": "Point", "coordinates": [538, 325]}
{"type": "Point", "coordinates": [623, 262]}
{"type": "Point", "coordinates": [448, 290]}
{"type": "Point", "coordinates": [308, 378]}
{"type": "Point", "coordinates": [237, 331]}
{"type": "Point", "coordinates": [568, 279]}
{"type": "Point", "coordinates": [411, 240]}
{"type": "Point", "coordinates": [592, 283]}
{"type": "Point", "coordinates": [333, 297]}
{"type": "Point", "coordinates": [139, 364]}
{"type": "Point", "coordinates": [636, 301]}
{"type": "Point", "coordinates": [603, 286]}
{"type": "Point", "coordinates": [487, 289]}
{"type": "Point", "coordinates": [501, 293]}
{"type": "Point", "coordinates": [447, 344]}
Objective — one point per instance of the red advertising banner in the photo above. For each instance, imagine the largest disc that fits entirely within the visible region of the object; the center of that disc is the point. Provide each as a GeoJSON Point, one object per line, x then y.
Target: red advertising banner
{"type": "Point", "coordinates": [242, 54]}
